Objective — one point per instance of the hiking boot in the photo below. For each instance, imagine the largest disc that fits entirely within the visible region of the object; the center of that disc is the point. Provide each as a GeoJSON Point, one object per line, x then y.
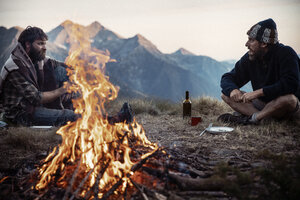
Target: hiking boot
{"type": "Point", "coordinates": [3, 125]}
{"type": "Point", "coordinates": [126, 114]}
{"type": "Point", "coordinates": [236, 120]}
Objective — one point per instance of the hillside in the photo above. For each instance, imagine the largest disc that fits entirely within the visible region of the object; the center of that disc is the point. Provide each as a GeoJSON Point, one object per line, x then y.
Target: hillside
{"type": "Point", "coordinates": [8, 40]}
{"type": "Point", "coordinates": [204, 67]}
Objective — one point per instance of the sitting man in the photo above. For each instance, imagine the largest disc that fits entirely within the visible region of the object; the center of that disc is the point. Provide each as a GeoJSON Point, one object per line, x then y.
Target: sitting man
{"type": "Point", "coordinates": [274, 72]}
{"type": "Point", "coordinates": [32, 89]}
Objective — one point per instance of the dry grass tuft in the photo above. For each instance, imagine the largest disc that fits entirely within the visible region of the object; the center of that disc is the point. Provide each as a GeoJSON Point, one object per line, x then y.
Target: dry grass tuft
{"type": "Point", "coordinates": [149, 106]}
{"type": "Point", "coordinates": [30, 139]}
{"type": "Point", "coordinates": [209, 106]}
{"type": "Point", "coordinates": [19, 143]}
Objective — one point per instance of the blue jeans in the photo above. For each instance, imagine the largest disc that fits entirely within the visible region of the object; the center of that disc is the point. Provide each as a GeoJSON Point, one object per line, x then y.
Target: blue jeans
{"type": "Point", "coordinates": [52, 117]}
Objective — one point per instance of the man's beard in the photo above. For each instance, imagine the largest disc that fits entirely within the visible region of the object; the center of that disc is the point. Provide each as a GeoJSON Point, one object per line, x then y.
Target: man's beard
{"type": "Point", "coordinates": [258, 55]}
{"type": "Point", "coordinates": [36, 55]}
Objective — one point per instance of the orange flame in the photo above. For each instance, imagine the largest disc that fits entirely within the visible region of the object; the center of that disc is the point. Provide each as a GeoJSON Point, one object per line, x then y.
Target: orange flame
{"type": "Point", "coordinates": [91, 144]}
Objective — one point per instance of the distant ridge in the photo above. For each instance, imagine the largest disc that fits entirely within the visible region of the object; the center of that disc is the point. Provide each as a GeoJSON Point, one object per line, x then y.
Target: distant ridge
{"type": "Point", "coordinates": [183, 51]}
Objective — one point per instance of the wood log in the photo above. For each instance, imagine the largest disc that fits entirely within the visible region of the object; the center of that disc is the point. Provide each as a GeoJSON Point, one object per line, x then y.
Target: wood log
{"type": "Point", "coordinates": [139, 189]}
{"type": "Point", "coordinates": [71, 183]}
{"type": "Point", "coordinates": [187, 169]}
{"type": "Point", "coordinates": [83, 182]}
{"type": "Point", "coordinates": [185, 183]}
{"type": "Point", "coordinates": [99, 176]}
{"type": "Point", "coordinates": [203, 193]}
{"type": "Point", "coordinates": [190, 184]}
{"type": "Point", "coordinates": [112, 189]}
{"type": "Point", "coordinates": [142, 162]}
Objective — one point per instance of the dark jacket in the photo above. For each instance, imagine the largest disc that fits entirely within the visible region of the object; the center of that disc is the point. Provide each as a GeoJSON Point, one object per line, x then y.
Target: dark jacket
{"type": "Point", "coordinates": [277, 74]}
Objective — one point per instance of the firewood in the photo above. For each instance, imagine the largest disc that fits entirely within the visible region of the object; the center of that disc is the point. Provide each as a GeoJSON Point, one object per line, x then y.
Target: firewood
{"type": "Point", "coordinates": [187, 169]}
{"type": "Point", "coordinates": [154, 172]}
{"type": "Point", "coordinates": [139, 189]}
{"type": "Point", "coordinates": [125, 192]}
{"type": "Point", "coordinates": [157, 194]}
{"type": "Point", "coordinates": [241, 158]}
{"type": "Point", "coordinates": [143, 161]}
{"type": "Point", "coordinates": [174, 196]}
{"type": "Point", "coordinates": [133, 169]}
{"type": "Point", "coordinates": [185, 183]}
{"type": "Point", "coordinates": [112, 189]}
{"type": "Point", "coordinates": [83, 181]}
{"type": "Point", "coordinates": [203, 193]}
{"type": "Point", "coordinates": [75, 173]}
{"type": "Point", "coordinates": [99, 176]}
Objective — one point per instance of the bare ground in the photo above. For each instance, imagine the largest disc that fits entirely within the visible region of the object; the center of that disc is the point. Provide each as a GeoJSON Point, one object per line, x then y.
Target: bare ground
{"type": "Point", "coordinates": [264, 160]}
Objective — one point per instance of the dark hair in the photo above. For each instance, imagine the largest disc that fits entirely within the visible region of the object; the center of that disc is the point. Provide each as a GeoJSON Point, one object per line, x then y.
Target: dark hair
{"type": "Point", "coordinates": [30, 34]}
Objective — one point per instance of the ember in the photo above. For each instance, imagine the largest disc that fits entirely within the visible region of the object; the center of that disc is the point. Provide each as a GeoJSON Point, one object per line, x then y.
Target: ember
{"type": "Point", "coordinates": [94, 155]}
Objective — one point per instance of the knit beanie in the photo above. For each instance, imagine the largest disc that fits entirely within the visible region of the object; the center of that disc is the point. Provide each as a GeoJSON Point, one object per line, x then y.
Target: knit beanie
{"type": "Point", "coordinates": [264, 31]}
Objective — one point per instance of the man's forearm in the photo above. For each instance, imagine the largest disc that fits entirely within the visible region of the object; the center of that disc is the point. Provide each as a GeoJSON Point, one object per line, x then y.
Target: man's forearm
{"type": "Point", "coordinates": [50, 96]}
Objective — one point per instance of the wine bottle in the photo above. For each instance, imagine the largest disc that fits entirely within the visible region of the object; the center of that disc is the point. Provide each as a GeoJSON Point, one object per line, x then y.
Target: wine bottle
{"type": "Point", "coordinates": [187, 106]}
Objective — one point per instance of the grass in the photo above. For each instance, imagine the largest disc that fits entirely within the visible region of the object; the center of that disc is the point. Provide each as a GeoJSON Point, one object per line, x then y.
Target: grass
{"type": "Point", "coordinates": [146, 106]}
{"type": "Point", "coordinates": [19, 143]}
{"type": "Point", "coordinates": [275, 144]}
{"type": "Point", "coordinates": [203, 105]}
{"type": "Point", "coordinates": [281, 178]}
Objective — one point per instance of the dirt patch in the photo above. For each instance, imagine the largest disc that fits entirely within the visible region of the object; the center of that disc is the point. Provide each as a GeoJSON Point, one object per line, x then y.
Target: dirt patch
{"type": "Point", "coordinates": [245, 141]}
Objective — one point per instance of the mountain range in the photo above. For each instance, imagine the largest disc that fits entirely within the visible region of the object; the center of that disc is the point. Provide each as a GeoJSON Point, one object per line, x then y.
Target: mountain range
{"type": "Point", "coordinates": [141, 69]}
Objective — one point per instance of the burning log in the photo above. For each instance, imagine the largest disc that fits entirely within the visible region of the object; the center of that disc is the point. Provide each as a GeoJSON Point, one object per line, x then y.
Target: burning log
{"type": "Point", "coordinates": [72, 179]}
{"type": "Point", "coordinates": [112, 189]}
{"type": "Point", "coordinates": [99, 176]}
{"type": "Point", "coordinates": [82, 183]}
{"type": "Point", "coordinates": [133, 169]}
{"type": "Point", "coordinates": [140, 190]}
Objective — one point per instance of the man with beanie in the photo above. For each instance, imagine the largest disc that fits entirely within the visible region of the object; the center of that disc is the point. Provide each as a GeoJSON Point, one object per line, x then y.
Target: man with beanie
{"type": "Point", "coordinates": [274, 72]}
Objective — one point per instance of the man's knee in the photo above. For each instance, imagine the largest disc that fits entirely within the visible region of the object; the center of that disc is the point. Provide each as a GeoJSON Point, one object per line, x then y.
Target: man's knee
{"type": "Point", "coordinates": [69, 115]}
{"type": "Point", "coordinates": [289, 101]}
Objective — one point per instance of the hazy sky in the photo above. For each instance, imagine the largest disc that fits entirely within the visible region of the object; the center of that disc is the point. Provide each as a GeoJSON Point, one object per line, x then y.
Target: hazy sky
{"type": "Point", "coordinates": [216, 28]}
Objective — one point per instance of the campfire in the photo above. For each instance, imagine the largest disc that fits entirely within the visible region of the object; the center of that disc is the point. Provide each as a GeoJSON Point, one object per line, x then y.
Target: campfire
{"type": "Point", "coordinates": [94, 155]}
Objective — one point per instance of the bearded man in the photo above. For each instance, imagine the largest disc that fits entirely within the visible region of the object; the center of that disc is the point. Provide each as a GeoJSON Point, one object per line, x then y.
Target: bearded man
{"type": "Point", "coordinates": [274, 72]}
{"type": "Point", "coordinates": [31, 93]}
{"type": "Point", "coordinates": [33, 86]}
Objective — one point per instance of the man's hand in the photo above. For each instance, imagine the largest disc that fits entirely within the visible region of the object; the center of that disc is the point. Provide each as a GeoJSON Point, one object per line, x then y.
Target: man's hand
{"type": "Point", "coordinates": [247, 97]}
{"type": "Point", "coordinates": [236, 95]}
{"type": "Point", "coordinates": [50, 96]}
{"type": "Point", "coordinates": [67, 86]}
